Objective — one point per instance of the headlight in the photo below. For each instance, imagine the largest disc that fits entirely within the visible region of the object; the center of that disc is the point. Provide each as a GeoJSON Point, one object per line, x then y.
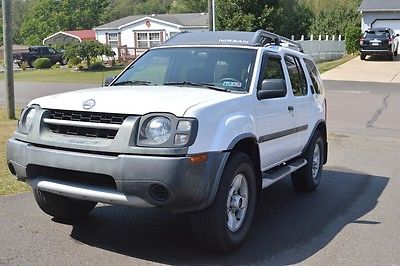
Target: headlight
{"type": "Point", "coordinates": [157, 130]}
{"type": "Point", "coordinates": [166, 130]}
{"type": "Point", "coordinates": [26, 121]}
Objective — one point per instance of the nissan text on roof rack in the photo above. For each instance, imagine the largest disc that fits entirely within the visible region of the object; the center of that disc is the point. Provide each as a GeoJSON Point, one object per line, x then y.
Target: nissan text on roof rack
{"type": "Point", "coordinates": [200, 124]}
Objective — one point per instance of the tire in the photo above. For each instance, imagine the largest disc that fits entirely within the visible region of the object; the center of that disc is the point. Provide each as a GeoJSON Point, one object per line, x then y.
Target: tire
{"type": "Point", "coordinates": [308, 177]}
{"type": "Point", "coordinates": [362, 56]}
{"type": "Point", "coordinates": [60, 207]}
{"type": "Point", "coordinates": [391, 56]}
{"type": "Point", "coordinates": [30, 63]}
{"type": "Point", "coordinates": [219, 227]}
{"type": "Point", "coordinates": [396, 53]}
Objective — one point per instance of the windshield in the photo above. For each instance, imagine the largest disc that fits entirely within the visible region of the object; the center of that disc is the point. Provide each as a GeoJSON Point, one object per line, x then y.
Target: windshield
{"type": "Point", "coordinates": [226, 69]}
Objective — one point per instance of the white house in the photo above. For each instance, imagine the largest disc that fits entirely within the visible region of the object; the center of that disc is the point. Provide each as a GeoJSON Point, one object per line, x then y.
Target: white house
{"type": "Point", "coordinates": [380, 13]}
{"type": "Point", "coordinates": [132, 35]}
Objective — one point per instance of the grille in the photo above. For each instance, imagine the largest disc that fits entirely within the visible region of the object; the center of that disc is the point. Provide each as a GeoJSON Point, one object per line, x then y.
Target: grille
{"type": "Point", "coordinates": [104, 118]}
{"type": "Point", "coordinates": [86, 124]}
{"type": "Point", "coordinates": [71, 176]}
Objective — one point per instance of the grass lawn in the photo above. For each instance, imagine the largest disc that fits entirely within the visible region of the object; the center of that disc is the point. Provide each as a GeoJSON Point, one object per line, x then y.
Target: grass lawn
{"type": "Point", "coordinates": [59, 75]}
{"type": "Point", "coordinates": [8, 183]}
{"type": "Point", "coordinates": [325, 66]}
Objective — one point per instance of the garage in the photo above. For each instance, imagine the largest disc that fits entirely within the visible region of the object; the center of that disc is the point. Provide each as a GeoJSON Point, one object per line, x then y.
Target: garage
{"type": "Point", "coordinates": [380, 14]}
{"type": "Point", "coordinates": [388, 23]}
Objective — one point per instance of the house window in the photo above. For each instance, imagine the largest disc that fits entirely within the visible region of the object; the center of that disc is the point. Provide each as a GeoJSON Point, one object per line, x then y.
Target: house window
{"type": "Point", "coordinates": [148, 39]}
{"type": "Point", "coordinates": [113, 40]}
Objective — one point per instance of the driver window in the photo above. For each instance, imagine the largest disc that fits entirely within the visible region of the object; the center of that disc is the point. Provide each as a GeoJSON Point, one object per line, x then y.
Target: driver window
{"type": "Point", "coordinates": [273, 69]}
{"type": "Point", "coordinates": [52, 51]}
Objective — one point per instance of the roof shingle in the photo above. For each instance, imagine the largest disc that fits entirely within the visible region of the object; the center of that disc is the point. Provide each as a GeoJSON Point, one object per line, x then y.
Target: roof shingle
{"type": "Point", "coordinates": [185, 20]}
{"type": "Point", "coordinates": [380, 5]}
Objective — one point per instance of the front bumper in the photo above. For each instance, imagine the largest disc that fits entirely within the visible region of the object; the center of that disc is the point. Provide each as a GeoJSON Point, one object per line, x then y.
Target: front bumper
{"type": "Point", "coordinates": [188, 186]}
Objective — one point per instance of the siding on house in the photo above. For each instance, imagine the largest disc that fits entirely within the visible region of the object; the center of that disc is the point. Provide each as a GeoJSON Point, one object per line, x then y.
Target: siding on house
{"type": "Point", "coordinates": [162, 27]}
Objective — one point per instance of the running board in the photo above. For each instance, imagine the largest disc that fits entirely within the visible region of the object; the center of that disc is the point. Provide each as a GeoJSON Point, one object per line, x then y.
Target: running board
{"type": "Point", "coordinates": [271, 176]}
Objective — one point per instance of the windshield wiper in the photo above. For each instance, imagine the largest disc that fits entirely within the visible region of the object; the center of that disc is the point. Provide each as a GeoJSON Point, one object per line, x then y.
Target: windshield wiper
{"type": "Point", "coordinates": [132, 82]}
{"type": "Point", "coordinates": [195, 84]}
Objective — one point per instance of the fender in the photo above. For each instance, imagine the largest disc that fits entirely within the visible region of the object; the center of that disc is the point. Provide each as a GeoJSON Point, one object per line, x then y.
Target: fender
{"type": "Point", "coordinates": [324, 135]}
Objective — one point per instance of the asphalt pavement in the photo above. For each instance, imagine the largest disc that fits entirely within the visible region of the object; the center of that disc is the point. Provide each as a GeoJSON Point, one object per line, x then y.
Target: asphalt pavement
{"type": "Point", "coordinates": [351, 219]}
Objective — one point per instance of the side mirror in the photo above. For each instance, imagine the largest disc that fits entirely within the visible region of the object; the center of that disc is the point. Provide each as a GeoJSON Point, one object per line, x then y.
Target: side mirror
{"type": "Point", "coordinates": [397, 35]}
{"type": "Point", "coordinates": [272, 88]}
{"type": "Point", "coordinates": [108, 80]}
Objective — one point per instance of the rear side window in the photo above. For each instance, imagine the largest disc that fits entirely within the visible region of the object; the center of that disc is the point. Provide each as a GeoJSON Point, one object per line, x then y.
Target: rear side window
{"type": "Point", "coordinates": [296, 74]}
{"type": "Point", "coordinates": [315, 77]}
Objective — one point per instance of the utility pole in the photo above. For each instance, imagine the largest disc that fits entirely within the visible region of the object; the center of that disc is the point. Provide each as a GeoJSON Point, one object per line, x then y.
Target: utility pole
{"type": "Point", "coordinates": [8, 60]}
{"type": "Point", "coordinates": [210, 15]}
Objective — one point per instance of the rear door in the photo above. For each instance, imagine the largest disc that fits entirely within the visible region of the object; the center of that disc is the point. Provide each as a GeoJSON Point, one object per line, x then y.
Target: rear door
{"type": "Point", "coordinates": [302, 102]}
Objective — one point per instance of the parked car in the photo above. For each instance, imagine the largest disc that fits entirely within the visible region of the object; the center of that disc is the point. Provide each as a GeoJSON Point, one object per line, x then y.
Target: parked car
{"type": "Point", "coordinates": [199, 125]}
{"type": "Point", "coordinates": [379, 41]}
{"type": "Point", "coordinates": [35, 52]}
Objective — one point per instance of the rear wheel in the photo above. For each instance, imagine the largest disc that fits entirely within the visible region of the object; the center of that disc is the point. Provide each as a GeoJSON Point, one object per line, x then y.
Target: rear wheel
{"type": "Point", "coordinates": [308, 177]}
{"type": "Point", "coordinates": [362, 56]}
{"type": "Point", "coordinates": [395, 53]}
{"type": "Point", "coordinates": [62, 207]}
{"type": "Point", "coordinates": [391, 56]}
{"type": "Point", "coordinates": [30, 63]}
{"type": "Point", "coordinates": [223, 226]}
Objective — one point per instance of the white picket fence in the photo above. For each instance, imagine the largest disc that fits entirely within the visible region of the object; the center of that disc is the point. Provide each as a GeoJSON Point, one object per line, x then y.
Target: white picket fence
{"type": "Point", "coordinates": [324, 48]}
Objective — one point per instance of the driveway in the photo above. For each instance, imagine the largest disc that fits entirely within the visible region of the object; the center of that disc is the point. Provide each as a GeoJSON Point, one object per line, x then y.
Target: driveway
{"type": "Point", "coordinates": [374, 69]}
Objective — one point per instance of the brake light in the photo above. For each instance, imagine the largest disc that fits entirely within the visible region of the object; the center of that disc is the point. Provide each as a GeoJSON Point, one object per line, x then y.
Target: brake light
{"type": "Point", "coordinates": [390, 41]}
{"type": "Point", "coordinates": [361, 41]}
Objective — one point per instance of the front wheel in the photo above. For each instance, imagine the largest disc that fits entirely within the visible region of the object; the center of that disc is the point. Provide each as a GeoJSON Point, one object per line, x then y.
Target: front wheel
{"type": "Point", "coordinates": [308, 177]}
{"type": "Point", "coordinates": [62, 207]}
{"type": "Point", "coordinates": [223, 226]}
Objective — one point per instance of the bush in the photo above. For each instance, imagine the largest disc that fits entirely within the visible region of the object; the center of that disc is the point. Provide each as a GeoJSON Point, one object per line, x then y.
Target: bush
{"type": "Point", "coordinates": [42, 63]}
{"type": "Point", "coordinates": [74, 61]}
{"type": "Point", "coordinates": [352, 39]}
{"type": "Point", "coordinates": [80, 67]}
{"type": "Point", "coordinates": [97, 66]}
{"type": "Point", "coordinates": [24, 65]}
{"type": "Point", "coordinates": [57, 65]}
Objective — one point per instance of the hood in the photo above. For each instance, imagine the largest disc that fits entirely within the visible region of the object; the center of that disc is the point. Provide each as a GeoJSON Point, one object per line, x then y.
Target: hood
{"type": "Point", "coordinates": [137, 100]}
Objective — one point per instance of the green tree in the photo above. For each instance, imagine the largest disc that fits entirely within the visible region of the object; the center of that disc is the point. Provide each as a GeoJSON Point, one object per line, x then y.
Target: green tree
{"type": "Point", "coordinates": [334, 17]}
{"type": "Point", "coordinates": [87, 50]}
{"type": "Point", "coordinates": [123, 8]}
{"type": "Point", "coordinates": [251, 15]}
{"type": "Point", "coordinates": [49, 16]}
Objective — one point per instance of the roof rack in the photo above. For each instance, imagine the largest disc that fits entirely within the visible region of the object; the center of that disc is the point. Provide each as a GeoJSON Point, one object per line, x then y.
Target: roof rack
{"type": "Point", "coordinates": [259, 38]}
{"type": "Point", "coordinates": [265, 38]}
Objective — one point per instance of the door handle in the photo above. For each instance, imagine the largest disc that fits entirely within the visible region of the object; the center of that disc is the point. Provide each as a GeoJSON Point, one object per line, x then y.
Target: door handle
{"type": "Point", "coordinates": [290, 108]}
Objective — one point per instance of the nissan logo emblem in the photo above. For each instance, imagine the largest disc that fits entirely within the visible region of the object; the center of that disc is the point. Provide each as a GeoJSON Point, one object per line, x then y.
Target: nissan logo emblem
{"type": "Point", "coordinates": [89, 104]}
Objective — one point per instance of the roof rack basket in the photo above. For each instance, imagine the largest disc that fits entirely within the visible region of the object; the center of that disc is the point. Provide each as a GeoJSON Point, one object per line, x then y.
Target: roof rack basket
{"type": "Point", "coordinates": [265, 38]}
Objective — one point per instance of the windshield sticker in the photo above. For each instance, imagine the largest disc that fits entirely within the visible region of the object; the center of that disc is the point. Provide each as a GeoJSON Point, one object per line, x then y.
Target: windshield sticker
{"type": "Point", "coordinates": [234, 84]}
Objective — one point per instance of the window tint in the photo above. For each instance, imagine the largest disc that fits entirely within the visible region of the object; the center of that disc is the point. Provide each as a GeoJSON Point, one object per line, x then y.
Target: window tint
{"type": "Point", "coordinates": [296, 74]}
{"type": "Point", "coordinates": [376, 34]}
{"type": "Point", "coordinates": [273, 69]}
{"type": "Point", "coordinates": [315, 77]}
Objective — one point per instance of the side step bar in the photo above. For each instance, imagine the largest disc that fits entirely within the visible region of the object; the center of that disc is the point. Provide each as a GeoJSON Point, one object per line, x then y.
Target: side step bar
{"type": "Point", "coordinates": [275, 174]}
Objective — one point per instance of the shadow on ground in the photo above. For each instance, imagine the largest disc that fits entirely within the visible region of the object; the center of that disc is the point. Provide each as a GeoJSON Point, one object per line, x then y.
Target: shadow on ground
{"type": "Point", "coordinates": [288, 227]}
{"type": "Point", "coordinates": [379, 58]}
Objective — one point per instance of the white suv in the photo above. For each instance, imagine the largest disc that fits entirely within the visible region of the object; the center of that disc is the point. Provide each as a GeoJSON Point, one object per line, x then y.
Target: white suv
{"type": "Point", "coordinates": [200, 124]}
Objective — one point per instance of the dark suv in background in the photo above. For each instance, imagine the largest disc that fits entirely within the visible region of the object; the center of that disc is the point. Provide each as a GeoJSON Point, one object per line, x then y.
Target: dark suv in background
{"type": "Point", "coordinates": [379, 41]}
